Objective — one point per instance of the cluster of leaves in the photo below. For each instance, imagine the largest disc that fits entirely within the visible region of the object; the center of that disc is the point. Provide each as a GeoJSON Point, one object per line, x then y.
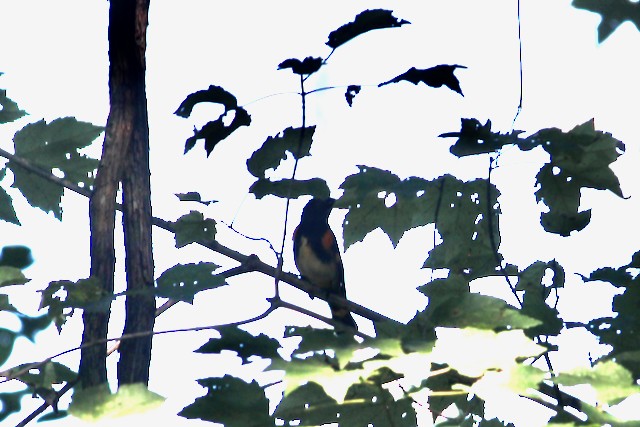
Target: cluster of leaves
{"type": "Point", "coordinates": [328, 380]}
{"type": "Point", "coordinates": [463, 349]}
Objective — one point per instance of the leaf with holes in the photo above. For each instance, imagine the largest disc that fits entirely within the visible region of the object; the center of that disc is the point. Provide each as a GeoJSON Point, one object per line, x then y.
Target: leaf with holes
{"type": "Point", "coordinates": [288, 188]}
{"type": "Point", "coordinates": [52, 146]}
{"type": "Point", "coordinates": [193, 227]}
{"type": "Point", "coordinates": [579, 159]}
{"type": "Point", "coordinates": [294, 141]}
{"type": "Point", "coordinates": [366, 195]}
{"type": "Point", "coordinates": [182, 281]}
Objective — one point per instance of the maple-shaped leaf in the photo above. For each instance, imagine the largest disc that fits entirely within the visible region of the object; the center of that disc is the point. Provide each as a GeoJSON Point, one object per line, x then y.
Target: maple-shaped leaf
{"type": "Point", "coordinates": [468, 223]}
{"type": "Point", "coordinates": [292, 189]}
{"type": "Point", "coordinates": [193, 227]}
{"type": "Point", "coordinates": [579, 159]}
{"type": "Point", "coordinates": [366, 194]}
{"type": "Point", "coordinates": [440, 75]}
{"type": "Point", "coordinates": [296, 141]}
{"type": "Point", "coordinates": [613, 13]}
{"type": "Point", "coordinates": [365, 21]}
{"type": "Point", "coordinates": [475, 138]}
{"type": "Point", "coordinates": [308, 65]}
{"type": "Point", "coordinates": [52, 146]}
{"type": "Point", "coordinates": [182, 281]}
{"type": "Point", "coordinates": [232, 402]}
{"type": "Point", "coordinates": [10, 111]}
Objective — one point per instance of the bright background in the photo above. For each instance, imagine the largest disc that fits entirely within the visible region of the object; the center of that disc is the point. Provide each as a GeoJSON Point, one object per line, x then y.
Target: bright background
{"type": "Point", "coordinates": [54, 56]}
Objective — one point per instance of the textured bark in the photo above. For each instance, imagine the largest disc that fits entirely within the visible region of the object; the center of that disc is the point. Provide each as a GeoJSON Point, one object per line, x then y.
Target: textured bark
{"type": "Point", "coordinates": [135, 354]}
{"type": "Point", "coordinates": [126, 76]}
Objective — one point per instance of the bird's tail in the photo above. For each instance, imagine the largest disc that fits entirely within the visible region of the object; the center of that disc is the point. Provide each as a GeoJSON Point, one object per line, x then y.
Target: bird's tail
{"type": "Point", "coordinates": [342, 315]}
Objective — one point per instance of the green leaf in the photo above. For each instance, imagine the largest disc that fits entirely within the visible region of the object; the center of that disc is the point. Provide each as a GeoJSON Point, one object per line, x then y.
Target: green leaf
{"type": "Point", "coordinates": [475, 138]}
{"type": "Point", "coordinates": [182, 281]}
{"type": "Point", "coordinates": [243, 343]}
{"type": "Point", "coordinates": [10, 111]}
{"type": "Point", "coordinates": [612, 382]}
{"type": "Point", "coordinates": [364, 22]}
{"type": "Point", "coordinates": [31, 326]}
{"type": "Point", "coordinates": [287, 188]}
{"type": "Point", "coordinates": [370, 404]}
{"type": "Point", "coordinates": [7, 339]}
{"type": "Point", "coordinates": [10, 403]}
{"type": "Point", "coordinates": [613, 12]}
{"type": "Point", "coordinates": [468, 222]}
{"type": "Point", "coordinates": [457, 309]}
{"type": "Point", "coordinates": [53, 146]}
{"type": "Point", "coordinates": [62, 296]}
{"type": "Point", "coordinates": [44, 376]}
{"type": "Point", "coordinates": [534, 300]}
{"type": "Point", "coordinates": [232, 402]}
{"type": "Point", "coordinates": [366, 194]}
{"type": "Point", "coordinates": [193, 196]}
{"type": "Point", "coordinates": [490, 350]}
{"type": "Point", "coordinates": [579, 159]}
{"type": "Point", "coordinates": [296, 141]}
{"type": "Point", "coordinates": [310, 404]}
{"type": "Point", "coordinates": [7, 212]}
{"type": "Point", "coordinates": [192, 227]}
{"type": "Point", "coordinates": [11, 276]}
{"type": "Point", "coordinates": [97, 403]}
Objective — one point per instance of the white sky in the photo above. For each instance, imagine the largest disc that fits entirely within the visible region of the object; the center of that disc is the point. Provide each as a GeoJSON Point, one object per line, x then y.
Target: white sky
{"type": "Point", "coordinates": [54, 56]}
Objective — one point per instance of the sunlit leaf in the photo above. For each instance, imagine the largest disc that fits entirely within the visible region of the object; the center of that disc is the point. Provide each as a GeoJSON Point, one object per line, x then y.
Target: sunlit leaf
{"type": "Point", "coordinates": [97, 403]}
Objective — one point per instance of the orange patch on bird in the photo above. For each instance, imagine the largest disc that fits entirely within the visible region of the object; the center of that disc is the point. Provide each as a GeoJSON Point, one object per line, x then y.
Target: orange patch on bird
{"type": "Point", "coordinates": [328, 240]}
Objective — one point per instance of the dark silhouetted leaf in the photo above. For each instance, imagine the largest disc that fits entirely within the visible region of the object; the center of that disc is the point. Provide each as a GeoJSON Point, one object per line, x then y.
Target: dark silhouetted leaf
{"type": "Point", "coordinates": [613, 12]}
{"type": "Point", "coordinates": [16, 256]}
{"type": "Point", "coordinates": [32, 325]}
{"type": "Point", "coordinates": [232, 402]}
{"type": "Point", "coordinates": [308, 65]}
{"type": "Point", "coordinates": [273, 151]}
{"type": "Point", "coordinates": [368, 20]}
{"type": "Point", "coordinates": [435, 77]}
{"type": "Point", "coordinates": [214, 94]}
{"type": "Point", "coordinates": [7, 339]}
{"type": "Point", "coordinates": [193, 196]}
{"type": "Point", "coordinates": [243, 343]}
{"type": "Point", "coordinates": [215, 131]}
{"type": "Point", "coordinates": [475, 138]}
{"type": "Point", "coordinates": [11, 402]}
{"type": "Point", "coordinates": [7, 212]}
{"type": "Point", "coordinates": [182, 281]}
{"type": "Point", "coordinates": [352, 91]}
{"type": "Point", "coordinates": [579, 159]}
{"type": "Point", "coordinates": [10, 111]}
{"type": "Point", "coordinates": [287, 188]}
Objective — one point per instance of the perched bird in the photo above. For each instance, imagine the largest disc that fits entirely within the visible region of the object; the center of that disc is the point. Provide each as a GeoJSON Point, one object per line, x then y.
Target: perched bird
{"type": "Point", "coordinates": [317, 257]}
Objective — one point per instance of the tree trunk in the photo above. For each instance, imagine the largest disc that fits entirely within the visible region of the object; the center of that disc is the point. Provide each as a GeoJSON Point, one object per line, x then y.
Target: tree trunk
{"type": "Point", "coordinates": [126, 123]}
